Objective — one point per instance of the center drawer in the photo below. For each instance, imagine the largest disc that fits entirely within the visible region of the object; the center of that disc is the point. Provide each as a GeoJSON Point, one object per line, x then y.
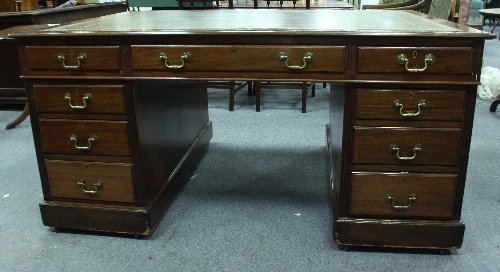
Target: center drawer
{"type": "Point", "coordinates": [330, 59]}
{"type": "Point", "coordinates": [89, 137]}
{"type": "Point", "coordinates": [402, 194]}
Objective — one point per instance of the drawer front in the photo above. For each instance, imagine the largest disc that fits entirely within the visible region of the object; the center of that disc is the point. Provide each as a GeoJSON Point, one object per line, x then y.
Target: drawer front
{"type": "Point", "coordinates": [406, 146]}
{"type": "Point", "coordinates": [90, 180]}
{"type": "Point", "coordinates": [75, 58]}
{"type": "Point", "coordinates": [79, 99]}
{"type": "Point", "coordinates": [86, 137]}
{"type": "Point", "coordinates": [402, 195]}
{"type": "Point", "coordinates": [440, 60]}
{"type": "Point", "coordinates": [410, 104]}
{"type": "Point", "coordinates": [329, 59]}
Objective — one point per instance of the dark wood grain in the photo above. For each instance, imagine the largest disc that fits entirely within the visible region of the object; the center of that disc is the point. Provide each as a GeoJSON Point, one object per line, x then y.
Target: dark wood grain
{"type": "Point", "coordinates": [384, 60]}
{"type": "Point", "coordinates": [103, 99]}
{"type": "Point", "coordinates": [439, 104]}
{"type": "Point", "coordinates": [116, 180]}
{"type": "Point", "coordinates": [400, 233]}
{"type": "Point", "coordinates": [435, 195]}
{"type": "Point", "coordinates": [112, 136]}
{"type": "Point", "coordinates": [98, 57]}
{"type": "Point", "coordinates": [440, 146]}
{"type": "Point", "coordinates": [241, 58]}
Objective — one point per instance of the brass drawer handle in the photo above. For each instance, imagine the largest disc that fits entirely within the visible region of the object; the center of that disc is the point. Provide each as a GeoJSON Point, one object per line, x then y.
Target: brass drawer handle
{"type": "Point", "coordinates": [97, 186]}
{"type": "Point", "coordinates": [80, 59]}
{"type": "Point", "coordinates": [422, 104]}
{"type": "Point", "coordinates": [416, 149]}
{"type": "Point", "coordinates": [429, 59]}
{"type": "Point", "coordinates": [186, 57]}
{"type": "Point", "coordinates": [308, 57]}
{"type": "Point", "coordinates": [412, 198]}
{"type": "Point", "coordinates": [86, 98]}
{"type": "Point", "coordinates": [91, 140]}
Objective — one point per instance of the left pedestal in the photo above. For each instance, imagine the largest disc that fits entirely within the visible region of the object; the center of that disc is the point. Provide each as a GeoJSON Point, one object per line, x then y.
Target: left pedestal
{"type": "Point", "coordinates": [111, 154]}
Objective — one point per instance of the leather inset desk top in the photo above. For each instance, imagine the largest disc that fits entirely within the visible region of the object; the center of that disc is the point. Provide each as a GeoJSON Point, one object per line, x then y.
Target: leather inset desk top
{"type": "Point", "coordinates": [344, 22]}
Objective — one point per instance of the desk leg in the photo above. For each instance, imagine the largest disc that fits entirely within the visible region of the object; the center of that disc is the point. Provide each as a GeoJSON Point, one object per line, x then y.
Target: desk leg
{"type": "Point", "coordinates": [19, 119]}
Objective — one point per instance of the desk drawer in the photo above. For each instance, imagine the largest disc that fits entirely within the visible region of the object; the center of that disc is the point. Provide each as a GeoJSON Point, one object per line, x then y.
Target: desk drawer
{"type": "Point", "coordinates": [406, 146]}
{"type": "Point", "coordinates": [87, 137]}
{"type": "Point", "coordinates": [330, 59]}
{"type": "Point", "coordinates": [75, 58]}
{"type": "Point", "coordinates": [410, 104]}
{"type": "Point", "coordinates": [79, 99]}
{"type": "Point", "coordinates": [90, 180]}
{"type": "Point", "coordinates": [444, 60]}
{"type": "Point", "coordinates": [402, 194]}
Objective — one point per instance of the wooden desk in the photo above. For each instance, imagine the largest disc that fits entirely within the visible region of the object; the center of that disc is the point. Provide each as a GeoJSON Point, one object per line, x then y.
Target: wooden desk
{"type": "Point", "coordinates": [492, 13]}
{"type": "Point", "coordinates": [11, 86]}
{"type": "Point", "coordinates": [120, 112]}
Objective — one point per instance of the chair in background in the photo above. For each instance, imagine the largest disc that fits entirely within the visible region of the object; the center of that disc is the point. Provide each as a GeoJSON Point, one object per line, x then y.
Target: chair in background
{"type": "Point", "coordinates": [444, 9]}
{"type": "Point", "coordinates": [256, 5]}
{"type": "Point", "coordinates": [494, 105]}
{"type": "Point", "coordinates": [204, 3]}
{"type": "Point", "coordinates": [418, 5]}
{"type": "Point", "coordinates": [303, 86]}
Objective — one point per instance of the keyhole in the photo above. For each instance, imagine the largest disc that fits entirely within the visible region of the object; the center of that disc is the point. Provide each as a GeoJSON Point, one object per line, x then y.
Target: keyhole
{"type": "Point", "coordinates": [71, 52]}
{"type": "Point", "coordinates": [414, 54]}
{"type": "Point", "coordinates": [411, 96]}
{"type": "Point", "coordinates": [233, 51]}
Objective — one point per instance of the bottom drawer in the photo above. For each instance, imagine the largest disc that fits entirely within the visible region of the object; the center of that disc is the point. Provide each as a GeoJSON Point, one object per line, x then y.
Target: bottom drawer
{"type": "Point", "coordinates": [402, 195]}
{"type": "Point", "coordinates": [90, 180]}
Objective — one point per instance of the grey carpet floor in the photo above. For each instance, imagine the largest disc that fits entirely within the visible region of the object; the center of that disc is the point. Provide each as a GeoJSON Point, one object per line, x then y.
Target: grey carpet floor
{"type": "Point", "coordinates": [257, 202]}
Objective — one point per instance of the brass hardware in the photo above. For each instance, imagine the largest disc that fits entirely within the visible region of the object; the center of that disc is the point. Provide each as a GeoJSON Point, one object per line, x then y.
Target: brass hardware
{"type": "Point", "coordinates": [91, 140]}
{"type": "Point", "coordinates": [186, 57]}
{"type": "Point", "coordinates": [308, 57]}
{"type": "Point", "coordinates": [412, 198]}
{"type": "Point", "coordinates": [97, 186]}
{"type": "Point", "coordinates": [416, 149]}
{"type": "Point", "coordinates": [429, 59]}
{"type": "Point", "coordinates": [422, 104]}
{"type": "Point", "coordinates": [80, 59]}
{"type": "Point", "coordinates": [86, 98]}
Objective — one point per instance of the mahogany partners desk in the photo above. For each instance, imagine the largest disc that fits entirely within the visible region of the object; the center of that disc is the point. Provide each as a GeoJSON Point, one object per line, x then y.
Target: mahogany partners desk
{"type": "Point", "coordinates": [120, 112]}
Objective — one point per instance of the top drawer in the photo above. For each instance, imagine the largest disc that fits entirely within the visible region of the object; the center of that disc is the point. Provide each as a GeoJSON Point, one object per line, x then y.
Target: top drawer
{"type": "Point", "coordinates": [429, 60]}
{"type": "Point", "coordinates": [240, 58]}
{"type": "Point", "coordinates": [81, 58]}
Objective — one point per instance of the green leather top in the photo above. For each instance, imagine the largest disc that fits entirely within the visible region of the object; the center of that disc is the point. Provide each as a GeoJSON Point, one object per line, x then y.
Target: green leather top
{"type": "Point", "coordinates": [251, 21]}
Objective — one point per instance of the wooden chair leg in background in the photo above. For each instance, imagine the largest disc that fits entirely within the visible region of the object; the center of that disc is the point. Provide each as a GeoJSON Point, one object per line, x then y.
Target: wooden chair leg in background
{"type": "Point", "coordinates": [493, 107]}
{"type": "Point", "coordinates": [19, 119]}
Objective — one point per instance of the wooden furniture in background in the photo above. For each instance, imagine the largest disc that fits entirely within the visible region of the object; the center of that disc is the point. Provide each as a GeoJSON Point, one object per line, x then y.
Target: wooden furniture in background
{"type": "Point", "coordinates": [417, 5]}
{"type": "Point", "coordinates": [493, 14]}
{"type": "Point", "coordinates": [401, 113]}
{"type": "Point", "coordinates": [11, 86]}
{"type": "Point", "coordinates": [10, 5]}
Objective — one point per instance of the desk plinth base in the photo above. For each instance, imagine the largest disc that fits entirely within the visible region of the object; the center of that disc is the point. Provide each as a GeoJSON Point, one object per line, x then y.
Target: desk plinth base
{"type": "Point", "coordinates": [399, 233]}
{"type": "Point", "coordinates": [139, 221]}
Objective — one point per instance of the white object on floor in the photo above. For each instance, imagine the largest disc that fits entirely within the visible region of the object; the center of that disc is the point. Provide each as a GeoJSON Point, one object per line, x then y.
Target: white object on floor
{"type": "Point", "coordinates": [490, 84]}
